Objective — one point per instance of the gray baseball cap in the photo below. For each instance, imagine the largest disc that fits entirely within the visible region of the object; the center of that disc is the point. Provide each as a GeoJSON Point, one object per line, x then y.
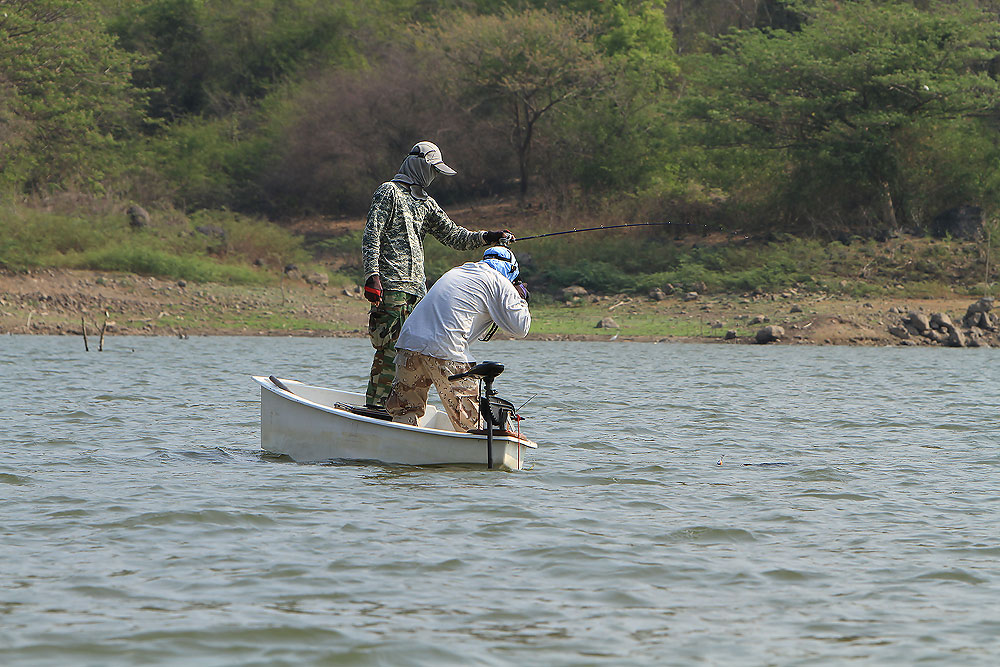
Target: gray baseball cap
{"type": "Point", "coordinates": [432, 154]}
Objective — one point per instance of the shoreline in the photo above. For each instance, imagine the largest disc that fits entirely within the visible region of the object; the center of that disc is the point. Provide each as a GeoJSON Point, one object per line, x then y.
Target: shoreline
{"type": "Point", "coordinates": [60, 301]}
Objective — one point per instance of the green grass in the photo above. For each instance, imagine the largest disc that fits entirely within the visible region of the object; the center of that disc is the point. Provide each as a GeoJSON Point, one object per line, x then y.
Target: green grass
{"type": "Point", "coordinates": [582, 320]}
{"type": "Point", "coordinates": [253, 252]}
{"type": "Point", "coordinates": [172, 248]}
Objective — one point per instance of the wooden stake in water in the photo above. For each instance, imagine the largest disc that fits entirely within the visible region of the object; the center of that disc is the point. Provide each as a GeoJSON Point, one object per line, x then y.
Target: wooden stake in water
{"type": "Point", "coordinates": [100, 345]}
{"type": "Point", "coordinates": [83, 323]}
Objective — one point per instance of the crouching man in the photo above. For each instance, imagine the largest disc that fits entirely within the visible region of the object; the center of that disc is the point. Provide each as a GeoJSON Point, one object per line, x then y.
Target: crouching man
{"type": "Point", "coordinates": [434, 341]}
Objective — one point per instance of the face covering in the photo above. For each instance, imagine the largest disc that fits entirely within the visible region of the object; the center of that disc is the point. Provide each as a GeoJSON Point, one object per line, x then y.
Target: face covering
{"type": "Point", "coordinates": [416, 173]}
{"type": "Point", "coordinates": [502, 259]}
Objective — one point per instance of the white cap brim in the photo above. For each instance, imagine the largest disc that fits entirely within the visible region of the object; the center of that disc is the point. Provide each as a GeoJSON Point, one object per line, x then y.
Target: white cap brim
{"type": "Point", "coordinates": [445, 169]}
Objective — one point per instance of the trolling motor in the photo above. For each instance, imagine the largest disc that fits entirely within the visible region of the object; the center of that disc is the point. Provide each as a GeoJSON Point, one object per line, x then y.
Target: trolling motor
{"type": "Point", "coordinates": [495, 411]}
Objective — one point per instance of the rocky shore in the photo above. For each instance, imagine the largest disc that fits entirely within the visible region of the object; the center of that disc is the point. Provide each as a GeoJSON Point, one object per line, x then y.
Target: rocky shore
{"type": "Point", "coordinates": [64, 302]}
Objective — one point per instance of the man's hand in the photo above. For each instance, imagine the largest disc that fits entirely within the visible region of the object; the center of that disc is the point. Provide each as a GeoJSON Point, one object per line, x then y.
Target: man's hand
{"type": "Point", "coordinates": [373, 289]}
{"type": "Point", "coordinates": [522, 289]}
{"type": "Point", "coordinates": [504, 237]}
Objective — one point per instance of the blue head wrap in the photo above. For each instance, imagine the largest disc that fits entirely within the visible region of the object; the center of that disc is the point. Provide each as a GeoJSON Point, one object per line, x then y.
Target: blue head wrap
{"type": "Point", "coordinates": [503, 260]}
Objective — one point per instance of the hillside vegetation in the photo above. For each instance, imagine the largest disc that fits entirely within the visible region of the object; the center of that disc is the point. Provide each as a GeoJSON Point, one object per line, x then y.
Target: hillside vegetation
{"type": "Point", "coordinates": [803, 143]}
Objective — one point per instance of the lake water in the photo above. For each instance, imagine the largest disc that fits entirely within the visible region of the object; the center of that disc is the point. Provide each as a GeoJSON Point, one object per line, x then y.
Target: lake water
{"type": "Point", "coordinates": [855, 516]}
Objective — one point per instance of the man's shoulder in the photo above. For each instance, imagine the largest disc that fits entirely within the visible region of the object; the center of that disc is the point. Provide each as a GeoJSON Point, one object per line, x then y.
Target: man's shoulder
{"type": "Point", "coordinates": [388, 188]}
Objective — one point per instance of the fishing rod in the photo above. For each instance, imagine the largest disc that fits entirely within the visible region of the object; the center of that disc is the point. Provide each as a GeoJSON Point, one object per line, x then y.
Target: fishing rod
{"type": "Point", "coordinates": [596, 229]}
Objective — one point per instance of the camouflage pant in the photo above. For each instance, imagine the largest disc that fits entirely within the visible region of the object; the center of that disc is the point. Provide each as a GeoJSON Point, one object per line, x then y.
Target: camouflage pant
{"type": "Point", "coordinates": [415, 373]}
{"type": "Point", "coordinates": [384, 322]}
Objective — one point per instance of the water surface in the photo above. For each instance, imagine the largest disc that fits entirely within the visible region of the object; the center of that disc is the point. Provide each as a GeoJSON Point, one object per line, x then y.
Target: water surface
{"type": "Point", "coordinates": [854, 518]}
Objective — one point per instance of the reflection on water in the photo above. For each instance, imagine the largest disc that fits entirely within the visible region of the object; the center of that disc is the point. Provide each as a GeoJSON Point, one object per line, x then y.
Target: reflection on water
{"type": "Point", "coordinates": [687, 504]}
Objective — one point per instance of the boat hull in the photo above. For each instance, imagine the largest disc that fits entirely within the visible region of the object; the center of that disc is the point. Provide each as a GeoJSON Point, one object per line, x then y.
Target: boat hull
{"type": "Point", "coordinates": [303, 423]}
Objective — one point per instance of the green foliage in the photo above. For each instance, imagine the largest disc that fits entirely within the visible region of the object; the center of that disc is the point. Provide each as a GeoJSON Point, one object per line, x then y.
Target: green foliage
{"type": "Point", "coordinates": [834, 100]}
{"type": "Point", "coordinates": [222, 252]}
{"type": "Point", "coordinates": [211, 57]}
{"type": "Point", "coordinates": [519, 67]}
{"type": "Point", "coordinates": [65, 97]}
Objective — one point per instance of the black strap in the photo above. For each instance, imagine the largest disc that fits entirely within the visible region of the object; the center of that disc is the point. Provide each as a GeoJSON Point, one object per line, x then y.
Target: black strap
{"type": "Point", "coordinates": [489, 334]}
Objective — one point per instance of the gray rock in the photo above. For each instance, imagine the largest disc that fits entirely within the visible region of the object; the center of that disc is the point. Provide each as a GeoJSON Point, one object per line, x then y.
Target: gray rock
{"type": "Point", "coordinates": [213, 231]}
{"type": "Point", "coordinates": [978, 314]}
{"type": "Point", "coordinates": [918, 321]}
{"type": "Point", "coordinates": [690, 296]}
{"type": "Point", "coordinates": [572, 291]}
{"type": "Point", "coordinates": [317, 278]}
{"type": "Point", "coordinates": [796, 308]}
{"type": "Point", "coordinates": [899, 332]}
{"type": "Point", "coordinates": [657, 294]}
{"type": "Point", "coordinates": [984, 305]}
{"type": "Point", "coordinates": [935, 336]}
{"type": "Point", "coordinates": [137, 217]}
{"type": "Point", "coordinates": [730, 335]}
{"type": "Point", "coordinates": [769, 334]}
{"type": "Point", "coordinates": [757, 319]}
{"type": "Point", "coordinates": [607, 323]}
{"type": "Point", "coordinates": [956, 339]}
{"type": "Point", "coordinates": [942, 321]}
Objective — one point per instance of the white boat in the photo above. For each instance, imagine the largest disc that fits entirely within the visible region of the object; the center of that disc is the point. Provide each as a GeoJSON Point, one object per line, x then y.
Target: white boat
{"type": "Point", "coordinates": [315, 424]}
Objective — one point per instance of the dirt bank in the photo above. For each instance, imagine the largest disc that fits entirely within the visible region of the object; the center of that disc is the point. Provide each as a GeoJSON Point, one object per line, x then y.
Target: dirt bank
{"type": "Point", "coordinates": [53, 301]}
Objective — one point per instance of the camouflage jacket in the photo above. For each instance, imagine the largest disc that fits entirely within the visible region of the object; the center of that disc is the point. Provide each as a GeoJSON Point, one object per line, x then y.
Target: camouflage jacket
{"type": "Point", "coordinates": [393, 244]}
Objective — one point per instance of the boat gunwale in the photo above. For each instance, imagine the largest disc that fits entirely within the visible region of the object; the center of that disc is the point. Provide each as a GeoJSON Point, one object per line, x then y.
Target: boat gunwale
{"type": "Point", "coordinates": [266, 383]}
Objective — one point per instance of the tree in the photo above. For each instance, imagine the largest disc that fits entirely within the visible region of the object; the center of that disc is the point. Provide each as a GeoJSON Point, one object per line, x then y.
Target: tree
{"type": "Point", "coordinates": [519, 67]}
{"type": "Point", "coordinates": [212, 58]}
{"type": "Point", "coordinates": [839, 97]}
{"type": "Point", "coordinates": [65, 95]}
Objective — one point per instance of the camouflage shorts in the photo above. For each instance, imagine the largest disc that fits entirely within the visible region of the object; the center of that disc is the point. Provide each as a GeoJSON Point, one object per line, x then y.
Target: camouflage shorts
{"type": "Point", "coordinates": [415, 373]}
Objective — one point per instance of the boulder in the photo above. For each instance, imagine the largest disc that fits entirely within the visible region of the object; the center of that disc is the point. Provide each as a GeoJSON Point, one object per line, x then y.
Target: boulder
{"type": "Point", "coordinates": [978, 314]}
{"type": "Point", "coordinates": [956, 339]}
{"type": "Point", "coordinates": [730, 335]}
{"type": "Point", "coordinates": [935, 336]}
{"type": "Point", "coordinates": [137, 217]}
{"type": "Point", "coordinates": [796, 308]}
{"type": "Point", "coordinates": [607, 323]}
{"type": "Point", "coordinates": [690, 296]}
{"type": "Point", "coordinates": [212, 231]}
{"type": "Point", "coordinates": [317, 278]}
{"type": "Point", "coordinates": [569, 293]}
{"type": "Point", "coordinates": [657, 294]}
{"type": "Point", "coordinates": [899, 332]}
{"type": "Point", "coordinates": [769, 334]}
{"type": "Point", "coordinates": [942, 321]}
{"type": "Point", "coordinates": [918, 321]}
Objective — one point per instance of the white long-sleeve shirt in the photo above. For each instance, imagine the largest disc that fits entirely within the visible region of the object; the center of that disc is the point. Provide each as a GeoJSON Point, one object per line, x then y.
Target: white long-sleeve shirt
{"type": "Point", "coordinates": [458, 309]}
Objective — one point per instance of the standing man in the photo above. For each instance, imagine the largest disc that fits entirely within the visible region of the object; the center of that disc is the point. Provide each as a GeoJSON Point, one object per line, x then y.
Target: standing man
{"type": "Point", "coordinates": [402, 213]}
{"type": "Point", "coordinates": [434, 343]}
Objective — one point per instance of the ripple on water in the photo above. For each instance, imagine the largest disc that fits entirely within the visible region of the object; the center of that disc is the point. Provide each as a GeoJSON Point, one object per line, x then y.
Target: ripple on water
{"type": "Point", "coordinates": [955, 575]}
{"type": "Point", "coordinates": [208, 517]}
{"type": "Point", "coordinates": [14, 480]}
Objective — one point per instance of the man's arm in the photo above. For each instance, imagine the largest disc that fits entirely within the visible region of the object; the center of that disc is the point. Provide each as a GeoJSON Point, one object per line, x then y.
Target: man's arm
{"type": "Point", "coordinates": [383, 203]}
{"type": "Point", "coordinates": [509, 310]}
{"type": "Point", "coordinates": [454, 236]}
